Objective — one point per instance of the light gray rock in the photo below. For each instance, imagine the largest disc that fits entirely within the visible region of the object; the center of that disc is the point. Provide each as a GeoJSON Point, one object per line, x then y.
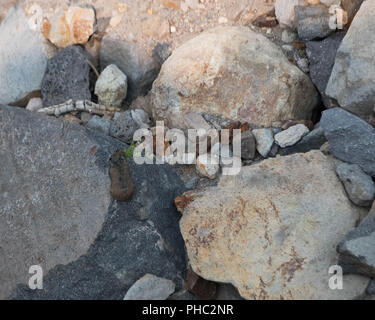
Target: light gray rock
{"type": "Point", "coordinates": [23, 58]}
{"type": "Point", "coordinates": [357, 254]}
{"type": "Point", "coordinates": [141, 117]}
{"type": "Point", "coordinates": [285, 14]}
{"type": "Point", "coordinates": [54, 192]}
{"type": "Point", "coordinates": [288, 36]}
{"type": "Point", "coordinates": [291, 136]}
{"type": "Point", "coordinates": [150, 287]}
{"type": "Point", "coordinates": [352, 82]}
{"type": "Point", "coordinates": [358, 185]}
{"type": "Point", "coordinates": [34, 104]}
{"type": "Point", "coordinates": [272, 230]}
{"type": "Point", "coordinates": [350, 138]}
{"type": "Point", "coordinates": [264, 139]}
{"type": "Point", "coordinates": [111, 86]}
{"type": "Point", "coordinates": [100, 124]}
{"type": "Point", "coordinates": [312, 141]}
{"type": "Point", "coordinates": [208, 166]}
{"type": "Point", "coordinates": [140, 68]}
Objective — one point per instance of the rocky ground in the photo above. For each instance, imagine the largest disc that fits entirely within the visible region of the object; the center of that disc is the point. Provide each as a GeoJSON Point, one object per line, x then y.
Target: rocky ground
{"type": "Point", "coordinates": [79, 78]}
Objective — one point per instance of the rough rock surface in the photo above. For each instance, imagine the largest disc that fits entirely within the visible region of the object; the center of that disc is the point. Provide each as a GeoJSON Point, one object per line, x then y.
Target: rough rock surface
{"type": "Point", "coordinates": [66, 77]}
{"type": "Point", "coordinates": [358, 185]}
{"type": "Point", "coordinates": [150, 287]}
{"type": "Point", "coordinates": [248, 145]}
{"type": "Point", "coordinates": [100, 124]}
{"type": "Point", "coordinates": [138, 237]}
{"type": "Point", "coordinates": [72, 26]}
{"type": "Point", "coordinates": [312, 22]}
{"type": "Point", "coordinates": [111, 86]}
{"type": "Point", "coordinates": [123, 126]}
{"type": "Point", "coordinates": [269, 233]}
{"type": "Point", "coordinates": [54, 191]}
{"type": "Point", "coordinates": [322, 56]}
{"type": "Point", "coordinates": [352, 82]}
{"type": "Point", "coordinates": [23, 58]}
{"type": "Point", "coordinates": [232, 66]}
{"type": "Point", "coordinates": [291, 136]}
{"type": "Point", "coordinates": [350, 138]}
{"type": "Point", "coordinates": [357, 254]}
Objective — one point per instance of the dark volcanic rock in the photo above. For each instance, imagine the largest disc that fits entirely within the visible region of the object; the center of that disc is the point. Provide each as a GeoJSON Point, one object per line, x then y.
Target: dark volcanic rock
{"type": "Point", "coordinates": [312, 22]}
{"type": "Point", "coordinates": [312, 141]}
{"type": "Point", "coordinates": [54, 192]}
{"type": "Point", "coordinates": [351, 139]}
{"type": "Point", "coordinates": [322, 56]}
{"type": "Point", "coordinates": [357, 253]}
{"type": "Point", "coordinates": [59, 214]}
{"type": "Point", "coordinates": [66, 77]}
{"type": "Point", "coordinates": [129, 245]}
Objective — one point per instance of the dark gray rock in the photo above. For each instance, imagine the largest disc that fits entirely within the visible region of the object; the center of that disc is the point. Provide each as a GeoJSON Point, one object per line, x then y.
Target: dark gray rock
{"type": "Point", "coordinates": [128, 247]}
{"type": "Point", "coordinates": [358, 185]}
{"type": "Point", "coordinates": [54, 192]}
{"type": "Point", "coordinates": [312, 141]}
{"type": "Point", "coordinates": [123, 126]}
{"type": "Point", "coordinates": [352, 82]}
{"type": "Point", "coordinates": [66, 77]}
{"type": "Point", "coordinates": [357, 254]}
{"type": "Point", "coordinates": [371, 288]}
{"type": "Point", "coordinates": [248, 145]}
{"type": "Point", "coordinates": [322, 56]}
{"type": "Point", "coordinates": [100, 124]}
{"type": "Point", "coordinates": [312, 22]}
{"type": "Point", "coordinates": [351, 139]}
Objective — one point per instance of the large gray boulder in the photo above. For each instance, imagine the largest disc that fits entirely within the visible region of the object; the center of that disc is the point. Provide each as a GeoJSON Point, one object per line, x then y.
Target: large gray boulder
{"type": "Point", "coordinates": [56, 211]}
{"type": "Point", "coordinates": [350, 138]}
{"type": "Point", "coordinates": [54, 192]}
{"type": "Point", "coordinates": [352, 82]}
{"type": "Point", "coordinates": [23, 58]}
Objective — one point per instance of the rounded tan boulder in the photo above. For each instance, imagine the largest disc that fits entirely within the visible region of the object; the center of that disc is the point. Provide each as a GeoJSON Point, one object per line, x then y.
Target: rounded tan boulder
{"type": "Point", "coordinates": [272, 231]}
{"type": "Point", "coordinates": [235, 73]}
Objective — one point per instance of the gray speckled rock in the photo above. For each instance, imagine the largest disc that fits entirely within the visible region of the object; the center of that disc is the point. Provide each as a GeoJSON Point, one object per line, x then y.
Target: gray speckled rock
{"type": "Point", "coordinates": [265, 140]}
{"type": "Point", "coordinates": [66, 77]}
{"type": "Point", "coordinates": [291, 136]}
{"type": "Point", "coordinates": [322, 56]}
{"type": "Point", "coordinates": [357, 254]}
{"type": "Point", "coordinates": [54, 192]}
{"type": "Point", "coordinates": [123, 126]}
{"type": "Point", "coordinates": [111, 86]}
{"type": "Point", "coordinates": [100, 124]}
{"type": "Point", "coordinates": [350, 138]}
{"type": "Point", "coordinates": [23, 58]}
{"type": "Point", "coordinates": [352, 82]}
{"type": "Point", "coordinates": [150, 287]}
{"type": "Point", "coordinates": [312, 141]}
{"type": "Point", "coordinates": [312, 22]}
{"type": "Point", "coordinates": [358, 185]}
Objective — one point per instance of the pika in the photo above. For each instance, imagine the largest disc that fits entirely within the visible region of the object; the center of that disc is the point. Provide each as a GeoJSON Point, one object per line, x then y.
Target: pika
{"type": "Point", "coordinates": [122, 187]}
